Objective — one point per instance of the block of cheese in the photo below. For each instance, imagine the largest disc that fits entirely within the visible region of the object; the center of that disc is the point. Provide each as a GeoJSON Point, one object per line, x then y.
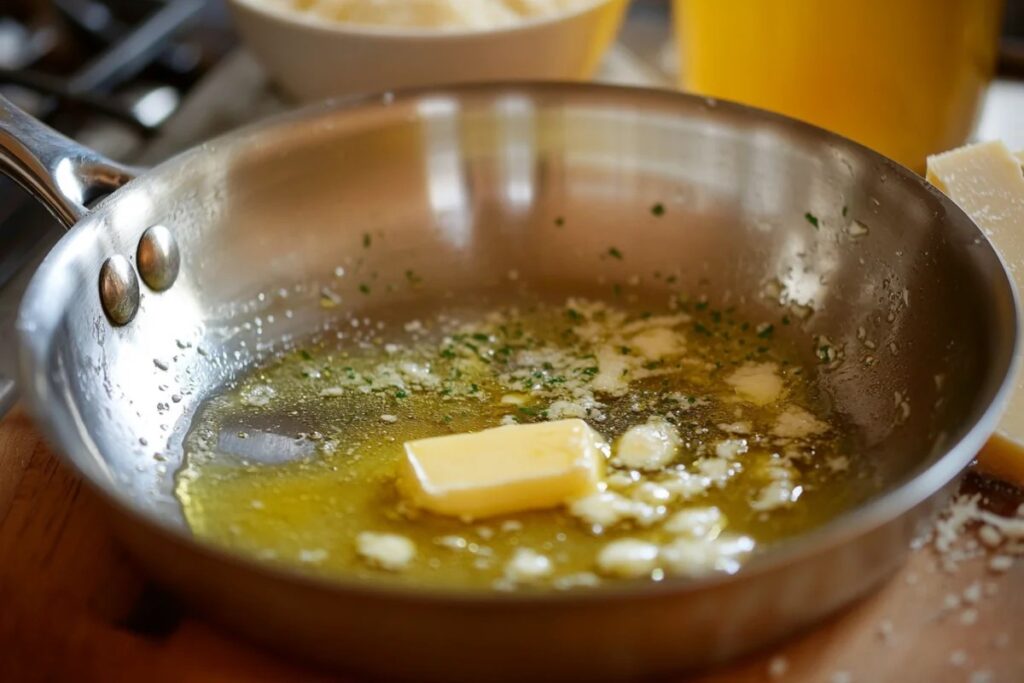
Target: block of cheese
{"type": "Point", "coordinates": [504, 470]}
{"type": "Point", "coordinates": [987, 182]}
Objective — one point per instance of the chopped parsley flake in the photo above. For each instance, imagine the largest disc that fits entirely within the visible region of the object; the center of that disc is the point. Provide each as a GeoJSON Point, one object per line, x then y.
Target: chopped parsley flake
{"type": "Point", "coordinates": [658, 209]}
{"type": "Point", "coordinates": [614, 253]}
{"type": "Point", "coordinates": [367, 240]}
{"type": "Point", "coordinates": [364, 288]}
{"type": "Point", "coordinates": [812, 219]}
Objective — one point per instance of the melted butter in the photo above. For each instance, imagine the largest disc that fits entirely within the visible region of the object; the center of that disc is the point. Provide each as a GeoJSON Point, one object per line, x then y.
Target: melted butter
{"type": "Point", "coordinates": [295, 461]}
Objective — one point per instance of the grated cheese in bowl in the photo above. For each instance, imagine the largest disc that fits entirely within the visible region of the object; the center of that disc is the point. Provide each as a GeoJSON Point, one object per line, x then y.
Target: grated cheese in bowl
{"type": "Point", "coordinates": [434, 14]}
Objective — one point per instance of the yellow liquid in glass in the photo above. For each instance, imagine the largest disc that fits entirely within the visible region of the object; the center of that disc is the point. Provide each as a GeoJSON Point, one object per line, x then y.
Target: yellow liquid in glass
{"type": "Point", "coordinates": [904, 77]}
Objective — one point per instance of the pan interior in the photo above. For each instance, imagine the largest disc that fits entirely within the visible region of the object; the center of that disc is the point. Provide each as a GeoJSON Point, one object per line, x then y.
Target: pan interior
{"type": "Point", "coordinates": [297, 461]}
{"type": "Point", "coordinates": [750, 212]}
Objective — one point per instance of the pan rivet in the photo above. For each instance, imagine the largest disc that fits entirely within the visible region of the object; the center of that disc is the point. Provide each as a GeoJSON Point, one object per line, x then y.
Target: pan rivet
{"type": "Point", "coordinates": [119, 290]}
{"type": "Point", "coordinates": [158, 258]}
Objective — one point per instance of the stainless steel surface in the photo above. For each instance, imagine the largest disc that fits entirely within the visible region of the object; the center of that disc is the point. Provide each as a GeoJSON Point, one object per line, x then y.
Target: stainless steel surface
{"type": "Point", "coordinates": [462, 185]}
{"type": "Point", "coordinates": [158, 258]}
{"type": "Point", "coordinates": [61, 173]}
{"type": "Point", "coordinates": [119, 290]}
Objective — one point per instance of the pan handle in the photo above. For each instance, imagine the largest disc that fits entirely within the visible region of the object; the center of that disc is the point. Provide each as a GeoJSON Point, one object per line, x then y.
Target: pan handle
{"type": "Point", "coordinates": [56, 170]}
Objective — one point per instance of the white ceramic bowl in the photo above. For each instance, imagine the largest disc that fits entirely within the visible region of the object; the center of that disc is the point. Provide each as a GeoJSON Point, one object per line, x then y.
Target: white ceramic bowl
{"type": "Point", "coordinates": [313, 58]}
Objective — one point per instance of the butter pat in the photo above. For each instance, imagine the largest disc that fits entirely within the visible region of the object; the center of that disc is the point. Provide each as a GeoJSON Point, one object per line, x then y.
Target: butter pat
{"type": "Point", "coordinates": [986, 181]}
{"type": "Point", "coordinates": [505, 469]}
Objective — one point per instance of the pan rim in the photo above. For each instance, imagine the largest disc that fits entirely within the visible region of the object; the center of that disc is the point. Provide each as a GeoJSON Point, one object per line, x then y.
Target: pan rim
{"type": "Point", "coordinates": [34, 331]}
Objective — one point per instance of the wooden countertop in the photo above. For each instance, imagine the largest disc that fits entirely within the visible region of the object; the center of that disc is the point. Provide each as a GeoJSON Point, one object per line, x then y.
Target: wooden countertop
{"type": "Point", "coordinates": [73, 608]}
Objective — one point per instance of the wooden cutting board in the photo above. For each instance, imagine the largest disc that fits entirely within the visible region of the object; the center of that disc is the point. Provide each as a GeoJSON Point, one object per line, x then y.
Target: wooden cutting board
{"type": "Point", "coordinates": [73, 607]}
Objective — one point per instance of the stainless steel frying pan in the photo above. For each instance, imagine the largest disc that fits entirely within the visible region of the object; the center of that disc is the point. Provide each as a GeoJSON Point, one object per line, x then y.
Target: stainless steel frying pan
{"type": "Point", "coordinates": [119, 345]}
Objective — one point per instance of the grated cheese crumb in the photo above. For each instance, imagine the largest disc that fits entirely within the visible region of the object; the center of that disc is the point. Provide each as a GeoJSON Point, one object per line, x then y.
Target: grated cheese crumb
{"type": "Point", "coordinates": [527, 566]}
{"type": "Point", "coordinates": [702, 522]}
{"type": "Point", "coordinates": [651, 493]}
{"type": "Point", "coordinates": [648, 447]}
{"type": "Point", "coordinates": [1000, 563]}
{"type": "Point", "coordinates": [684, 484]}
{"type": "Point", "coordinates": [385, 551]}
{"type": "Point", "coordinates": [796, 423]}
{"type": "Point", "coordinates": [562, 409]}
{"type": "Point", "coordinates": [312, 556]}
{"type": "Point", "coordinates": [948, 528]}
{"type": "Point", "coordinates": [694, 557]}
{"type": "Point", "coordinates": [657, 343]}
{"type": "Point", "coordinates": [578, 580]}
{"type": "Point", "coordinates": [628, 558]}
{"type": "Point", "coordinates": [758, 383]}
{"type": "Point", "coordinates": [730, 448]}
{"type": "Point", "coordinates": [990, 536]}
{"type": "Point", "coordinates": [606, 509]}
{"type": "Point", "coordinates": [777, 667]}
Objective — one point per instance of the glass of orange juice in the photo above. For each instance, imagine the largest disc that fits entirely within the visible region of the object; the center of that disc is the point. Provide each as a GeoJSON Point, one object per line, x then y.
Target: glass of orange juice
{"type": "Point", "coordinates": [905, 77]}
